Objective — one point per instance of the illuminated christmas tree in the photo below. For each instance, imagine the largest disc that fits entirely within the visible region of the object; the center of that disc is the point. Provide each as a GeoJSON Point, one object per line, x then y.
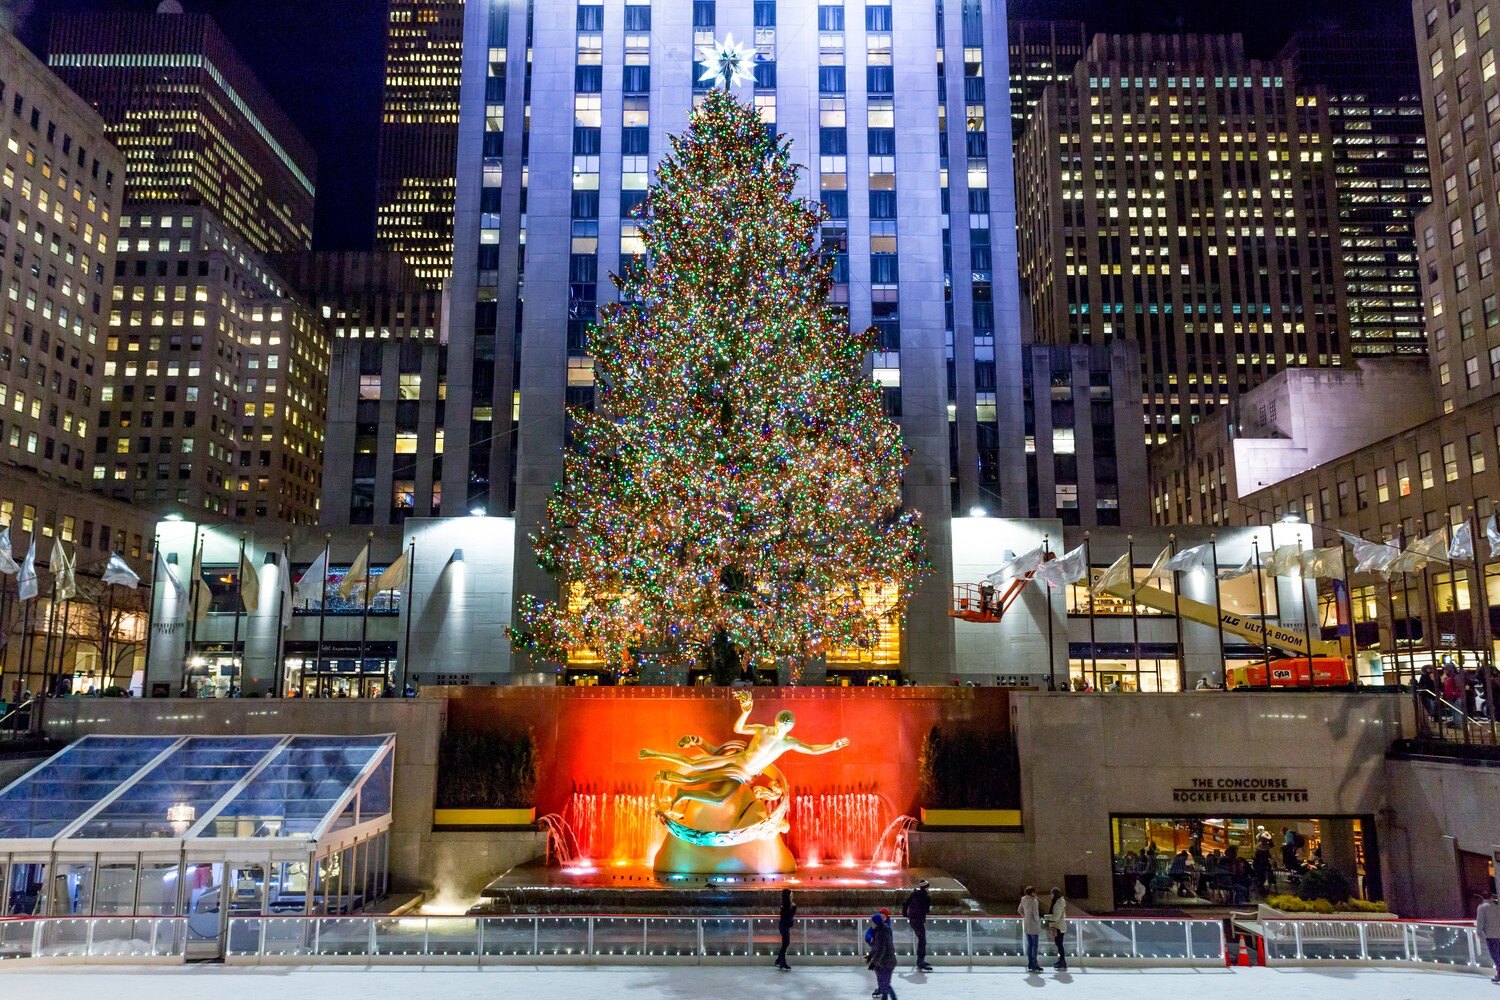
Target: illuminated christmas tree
{"type": "Point", "coordinates": [737, 494]}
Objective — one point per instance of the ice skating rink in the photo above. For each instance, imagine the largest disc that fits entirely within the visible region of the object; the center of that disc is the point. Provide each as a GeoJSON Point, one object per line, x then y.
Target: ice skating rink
{"type": "Point", "coordinates": [689, 983]}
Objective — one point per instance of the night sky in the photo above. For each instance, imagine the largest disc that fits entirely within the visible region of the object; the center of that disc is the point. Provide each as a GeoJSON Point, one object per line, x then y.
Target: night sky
{"type": "Point", "coordinates": [322, 60]}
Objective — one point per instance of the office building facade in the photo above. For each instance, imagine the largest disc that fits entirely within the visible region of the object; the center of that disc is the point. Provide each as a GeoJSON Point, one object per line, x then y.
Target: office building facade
{"type": "Point", "coordinates": [1042, 54]}
{"type": "Point", "coordinates": [1180, 195]}
{"type": "Point", "coordinates": [419, 134]}
{"type": "Point", "coordinates": [195, 125]}
{"type": "Point", "coordinates": [882, 102]}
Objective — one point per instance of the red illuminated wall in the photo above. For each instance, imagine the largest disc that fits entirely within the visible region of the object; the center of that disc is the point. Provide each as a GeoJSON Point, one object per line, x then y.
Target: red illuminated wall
{"type": "Point", "coordinates": [587, 738]}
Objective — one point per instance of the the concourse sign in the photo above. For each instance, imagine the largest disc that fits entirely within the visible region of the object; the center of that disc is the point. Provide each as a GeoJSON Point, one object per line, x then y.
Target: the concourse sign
{"type": "Point", "coordinates": [1241, 790]}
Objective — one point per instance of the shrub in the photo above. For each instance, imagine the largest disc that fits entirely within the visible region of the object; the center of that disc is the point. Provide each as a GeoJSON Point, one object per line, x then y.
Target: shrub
{"type": "Point", "coordinates": [486, 770]}
{"type": "Point", "coordinates": [1324, 883]}
{"type": "Point", "coordinates": [1366, 906]}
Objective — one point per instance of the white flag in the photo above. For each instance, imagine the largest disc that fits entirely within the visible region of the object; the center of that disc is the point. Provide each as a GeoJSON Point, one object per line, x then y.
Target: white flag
{"type": "Point", "coordinates": [1065, 569]}
{"type": "Point", "coordinates": [1462, 546]}
{"type": "Point", "coordinates": [1371, 557]}
{"type": "Point", "coordinates": [118, 572]}
{"type": "Point", "coordinates": [1016, 567]}
{"type": "Point", "coordinates": [1118, 575]}
{"type": "Point", "coordinates": [284, 586]}
{"type": "Point", "coordinates": [164, 571]}
{"type": "Point", "coordinates": [357, 574]}
{"type": "Point", "coordinates": [1193, 560]}
{"type": "Point", "coordinates": [312, 584]}
{"type": "Point", "coordinates": [8, 558]}
{"type": "Point", "coordinates": [26, 583]}
{"type": "Point", "coordinates": [64, 581]}
{"type": "Point", "coordinates": [1323, 564]}
{"type": "Point", "coordinates": [249, 584]}
{"type": "Point", "coordinates": [1284, 560]}
{"type": "Point", "coordinates": [1158, 568]}
{"type": "Point", "coordinates": [1419, 553]}
{"type": "Point", "coordinates": [395, 575]}
{"type": "Point", "coordinates": [1235, 572]}
{"type": "Point", "coordinates": [1492, 534]}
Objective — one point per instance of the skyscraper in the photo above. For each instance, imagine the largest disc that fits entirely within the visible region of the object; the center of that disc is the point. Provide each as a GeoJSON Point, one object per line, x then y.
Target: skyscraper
{"type": "Point", "coordinates": [1181, 195]}
{"type": "Point", "coordinates": [891, 107]}
{"type": "Point", "coordinates": [419, 134]}
{"type": "Point", "coordinates": [194, 123]}
{"type": "Point", "coordinates": [1367, 82]}
{"type": "Point", "coordinates": [1042, 53]}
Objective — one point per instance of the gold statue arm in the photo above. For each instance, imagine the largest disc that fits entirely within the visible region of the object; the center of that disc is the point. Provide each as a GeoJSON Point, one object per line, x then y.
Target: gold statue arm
{"type": "Point", "coordinates": [708, 749]}
{"type": "Point", "coordinates": [746, 701]}
{"type": "Point", "coordinates": [818, 751]}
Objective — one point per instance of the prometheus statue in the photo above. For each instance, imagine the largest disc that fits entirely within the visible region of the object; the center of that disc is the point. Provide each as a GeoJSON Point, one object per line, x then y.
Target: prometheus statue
{"type": "Point", "coordinates": [725, 807]}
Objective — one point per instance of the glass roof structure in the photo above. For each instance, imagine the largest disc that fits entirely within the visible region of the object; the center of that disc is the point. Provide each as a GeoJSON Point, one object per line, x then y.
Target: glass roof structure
{"type": "Point", "coordinates": [153, 793]}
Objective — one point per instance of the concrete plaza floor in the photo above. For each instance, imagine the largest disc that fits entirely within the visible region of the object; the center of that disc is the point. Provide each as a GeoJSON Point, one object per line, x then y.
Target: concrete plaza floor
{"type": "Point", "coordinates": [689, 983]}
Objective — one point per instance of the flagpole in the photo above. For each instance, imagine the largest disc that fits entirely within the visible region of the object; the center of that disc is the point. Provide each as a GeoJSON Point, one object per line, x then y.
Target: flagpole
{"type": "Point", "coordinates": [1390, 601]}
{"type": "Point", "coordinates": [1260, 593]}
{"type": "Point", "coordinates": [411, 580]}
{"type": "Point", "coordinates": [25, 657]}
{"type": "Point", "coordinates": [1088, 560]}
{"type": "Point", "coordinates": [283, 587]}
{"type": "Point", "coordinates": [1047, 593]}
{"type": "Point", "coordinates": [196, 570]}
{"type": "Point", "coordinates": [4, 624]}
{"type": "Point", "coordinates": [150, 615]}
{"type": "Point", "coordinates": [1487, 656]}
{"type": "Point", "coordinates": [50, 625]}
{"type": "Point", "coordinates": [322, 612]}
{"type": "Point", "coordinates": [62, 637]}
{"type": "Point", "coordinates": [1135, 618]}
{"type": "Point", "coordinates": [1349, 606]}
{"type": "Point", "coordinates": [1307, 614]}
{"type": "Point", "coordinates": [1432, 611]}
{"type": "Point", "coordinates": [104, 638]}
{"type": "Point", "coordinates": [1177, 613]}
{"type": "Point", "coordinates": [1213, 543]}
{"type": "Point", "coordinates": [364, 621]}
{"type": "Point", "coordinates": [236, 670]}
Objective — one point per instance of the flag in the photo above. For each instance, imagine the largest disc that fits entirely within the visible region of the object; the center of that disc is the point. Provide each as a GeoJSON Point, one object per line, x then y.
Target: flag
{"type": "Point", "coordinates": [1158, 568]}
{"type": "Point", "coordinates": [1118, 575]}
{"type": "Point", "coordinates": [1462, 546]}
{"type": "Point", "coordinates": [1065, 569]}
{"type": "Point", "coordinates": [64, 581]}
{"type": "Point", "coordinates": [8, 558]}
{"type": "Point", "coordinates": [1419, 553]}
{"type": "Point", "coordinates": [1492, 534]}
{"type": "Point", "coordinates": [26, 584]}
{"type": "Point", "coordinates": [203, 595]}
{"type": "Point", "coordinates": [1371, 557]}
{"type": "Point", "coordinates": [1193, 560]}
{"type": "Point", "coordinates": [164, 570]}
{"type": "Point", "coordinates": [249, 584]}
{"type": "Point", "coordinates": [119, 572]}
{"type": "Point", "coordinates": [1284, 560]}
{"type": "Point", "coordinates": [395, 575]}
{"type": "Point", "coordinates": [284, 586]}
{"type": "Point", "coordinates": [1014, 567]}
{"type": "Point", "coordinates": [1327, 563]}
{"type": "Point", "coordinates": [358, 573]}
{"type": "Point", "coordinates": [1235, 572]}
{"type": "Point", "coordinates": [312, 584]}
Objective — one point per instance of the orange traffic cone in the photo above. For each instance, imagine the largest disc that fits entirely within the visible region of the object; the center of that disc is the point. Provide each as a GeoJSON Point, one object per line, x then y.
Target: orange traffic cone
{"type": "Point", "coordinates": [1260, 952]}
{"type": "Point", "coordinates": [1244, 961]}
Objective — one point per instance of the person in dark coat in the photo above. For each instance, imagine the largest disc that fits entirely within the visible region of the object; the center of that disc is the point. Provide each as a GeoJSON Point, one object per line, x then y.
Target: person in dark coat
{"type": "Point", "coordinates": [915, 910]}
{"type": "Point", "coordinates": [882, 959]}
{"type": "Point", "coordinates": [784, 923]}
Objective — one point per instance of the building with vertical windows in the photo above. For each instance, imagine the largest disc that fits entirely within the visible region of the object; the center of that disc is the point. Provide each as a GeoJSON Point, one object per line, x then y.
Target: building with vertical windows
{"type": "Point", "coordinates": [1042, 53]}
{"type": "Point", "coordinates": [419, 134]}
{"type": "Point", "coordinates": [383, 461]}
{"type": "Point", "coordinates": [1180, 195]}
{"type": "Point", "coordinates": [565, 111]}
{"type": "Point", "coordinates": [216, 382]}
{"type": "Point", "coordinates": [195, 125]}
{"type": "Point", "coordinates": [1367, 82]}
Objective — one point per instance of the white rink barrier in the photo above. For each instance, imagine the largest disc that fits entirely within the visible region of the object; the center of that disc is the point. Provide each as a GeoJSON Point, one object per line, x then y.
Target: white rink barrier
{"type": "Point", "coordinates": [94, 940]}
{"type": "Point", "coordinates": [1415, 944]}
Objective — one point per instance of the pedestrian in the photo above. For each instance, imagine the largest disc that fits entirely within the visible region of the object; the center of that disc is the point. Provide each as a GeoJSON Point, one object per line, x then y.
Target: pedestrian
{"type": "Point", "coordinates": [882, 960]}
{"type": "Point", "coordinates": [1487, 926]}
{"type": "Point", "coordinates": [784, 925]}
{"type": "Point", "coordinates": [1057, 925]}
{"type": "Point", "coordinates": [1031, 925]}
{"type": "Point", "coordinates": [915, 910]}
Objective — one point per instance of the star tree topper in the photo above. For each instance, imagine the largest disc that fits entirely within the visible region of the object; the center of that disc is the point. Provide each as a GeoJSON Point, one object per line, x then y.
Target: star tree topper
{"type": "Point", "coordinates": [728, 61]}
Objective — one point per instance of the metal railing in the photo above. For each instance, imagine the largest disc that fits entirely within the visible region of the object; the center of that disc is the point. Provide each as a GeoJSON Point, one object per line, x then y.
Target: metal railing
{"type": "Point", "coordinates": [691, 940]}
{"type": "Point", "coordinates": [94, 940]}
{"type": "Point", "coordinates": [1412, 943]}
{"type": "Point", "coordinates": [1440, 719]}
{"type": "Point", "coordinates": [10, 721]}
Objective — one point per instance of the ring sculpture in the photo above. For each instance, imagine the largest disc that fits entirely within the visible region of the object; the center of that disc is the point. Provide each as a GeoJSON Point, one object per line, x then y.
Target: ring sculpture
{"type": "Point", "coordinates": [725, 807]}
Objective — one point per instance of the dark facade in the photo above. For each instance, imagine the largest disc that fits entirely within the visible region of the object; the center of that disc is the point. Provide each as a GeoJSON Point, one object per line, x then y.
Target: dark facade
{"type": "Point", "coordinates": [195, 125]}
{"type": "Point", "coordinates": [419, 134]}
{"type": "Point", "coordinates": [1042, 53]}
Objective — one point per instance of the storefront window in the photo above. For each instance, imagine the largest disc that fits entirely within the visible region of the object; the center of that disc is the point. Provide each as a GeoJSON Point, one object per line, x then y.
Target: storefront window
{"type": "Point", "coordinates": [114, 892]}
{"type": "Point", "coordinates": [158, 889]}
{"type": "Point", "coordinates": [1163, 862]}
{"type": "Point", "coordinates": [1125, 675]}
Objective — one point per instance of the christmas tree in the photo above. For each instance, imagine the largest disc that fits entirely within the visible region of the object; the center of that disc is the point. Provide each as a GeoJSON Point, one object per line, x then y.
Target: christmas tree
{"type": "Point", "coordinates": [737, 493]}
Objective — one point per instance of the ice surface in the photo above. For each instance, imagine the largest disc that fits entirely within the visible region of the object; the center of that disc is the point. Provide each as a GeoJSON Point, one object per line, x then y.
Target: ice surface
{"type": "Point", "coordinates": [689, 983]}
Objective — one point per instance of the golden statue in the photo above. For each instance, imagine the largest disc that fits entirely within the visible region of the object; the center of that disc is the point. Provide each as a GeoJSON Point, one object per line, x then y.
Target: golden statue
{"type": "Point", "coordinates": [725, 807]}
